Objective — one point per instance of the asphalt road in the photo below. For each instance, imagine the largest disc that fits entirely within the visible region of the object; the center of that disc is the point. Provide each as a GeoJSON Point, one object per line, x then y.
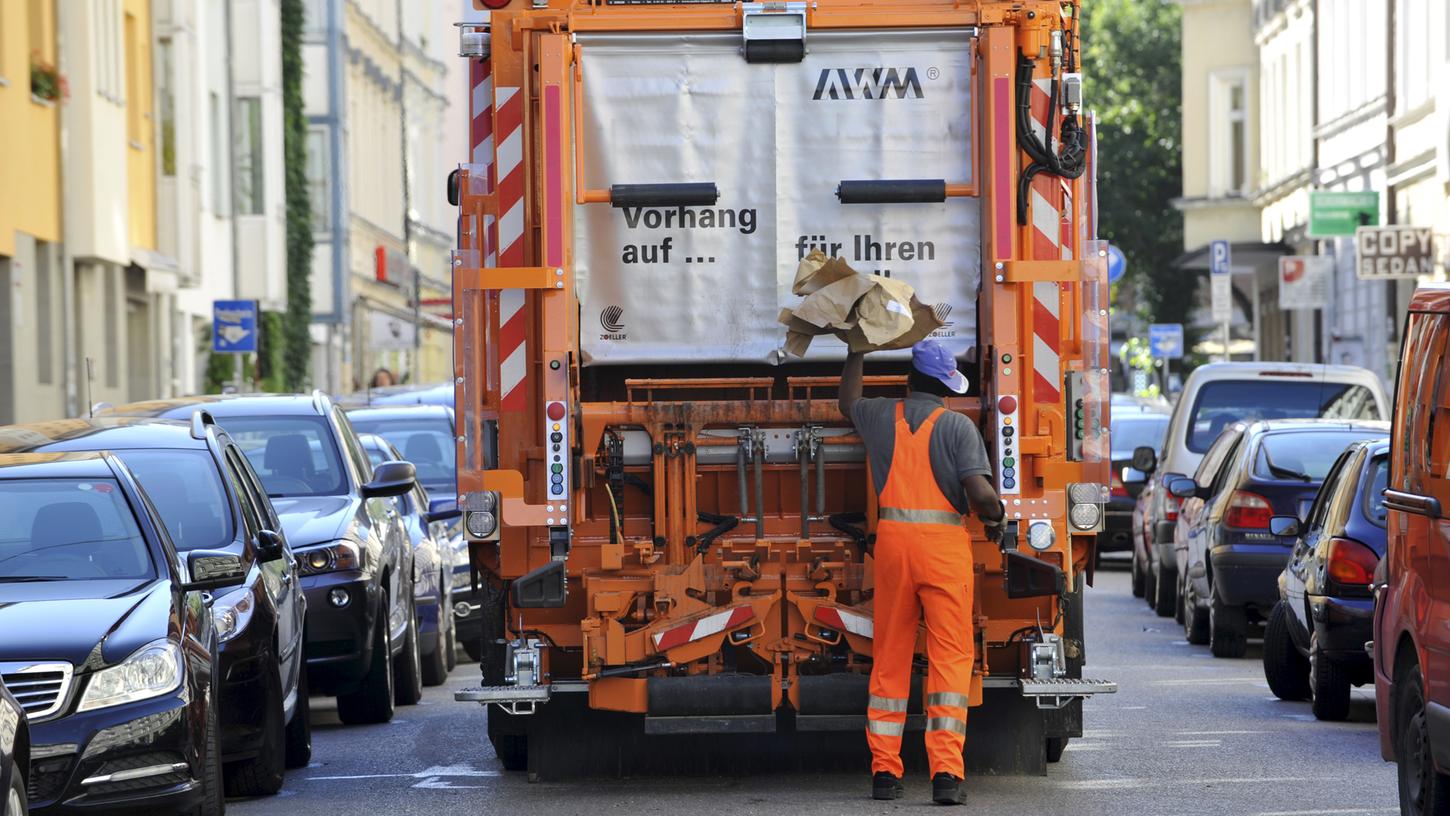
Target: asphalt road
{"type": "Point", "coordinates": [1185, 734]}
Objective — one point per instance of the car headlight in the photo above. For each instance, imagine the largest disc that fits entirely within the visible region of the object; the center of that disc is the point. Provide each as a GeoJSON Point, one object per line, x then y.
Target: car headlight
{"type": "Point", "coordinates": [231, 613]}
{"type": "Point", "coordinates": [335, 557]}
{"type": "Point", "coordinates": [150, 671]}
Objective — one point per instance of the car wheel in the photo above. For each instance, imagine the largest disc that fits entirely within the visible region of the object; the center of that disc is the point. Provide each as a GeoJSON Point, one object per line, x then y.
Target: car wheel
{"type": "Point", "coordinates": [15, 800]}
{"type": "Point", "coordinates": [1195, 619]}
{"type": "Point", "coordinates": [212, 802]}
{"type": "Point", "coordinates": [1330, 683]}
{"type": "Point", "coordinates": [262, 775]}
{"type": "Point", "coordinates": [1055, 747]}
{"type": "Point", "coordinates": [1150, 587]}
{"type": "Point", "coordinates": [446, 614]}
{"type": "Point", "coordinates": [1165, 590]}
{"type": "Point", "coordinates": [372, 702]}
{"type": "Point", "coordinates": [1137, 574]}
{"type": "Point", "coordinates": [1424, 791]}
{"type": "Point", "coordinates": [408, 683]}
{"type": "Point", "coordinates": [299, 730]}
{"type": "Point", "coordinates": [1178, 602]}
{"type": "Point", "coordinates": [1228, 627]}
{"type": "Point", "coordinates": [1286, 670]}
{"type": "Point", "coordinates": [435, 662]}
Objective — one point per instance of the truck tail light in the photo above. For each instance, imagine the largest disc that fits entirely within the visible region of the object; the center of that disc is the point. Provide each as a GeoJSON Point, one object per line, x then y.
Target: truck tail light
{"type": "Point", "coordinates": [1248, 511]}
{"type": "Point", "coordinates": [1351, 563]}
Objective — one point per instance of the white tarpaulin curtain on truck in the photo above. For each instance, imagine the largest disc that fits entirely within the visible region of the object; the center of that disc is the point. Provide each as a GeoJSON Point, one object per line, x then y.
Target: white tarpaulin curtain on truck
{"type": "Point", "coordinates": [707, 283]}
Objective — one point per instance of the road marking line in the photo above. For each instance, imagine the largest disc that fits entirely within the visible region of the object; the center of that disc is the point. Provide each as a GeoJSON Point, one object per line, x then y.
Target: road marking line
{"type": "Point", "coordinates": [430, 774]}
{"type": "Point", "coordinates": [1206, 681]}
{"type": "Point", "coordinates": [1193, 743]}
{"type": "Point", "coordinates": [1326, 812]}
{"type": "Point", "coordinates": [1214, 733]}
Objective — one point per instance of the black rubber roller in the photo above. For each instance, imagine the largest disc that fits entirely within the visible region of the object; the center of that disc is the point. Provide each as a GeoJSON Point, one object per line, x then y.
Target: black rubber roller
{"type": "Point", "coordinates": [704, 695]}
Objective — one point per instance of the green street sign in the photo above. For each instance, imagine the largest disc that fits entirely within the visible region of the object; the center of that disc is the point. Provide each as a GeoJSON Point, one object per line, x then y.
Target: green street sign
{"type": "Point", "coordinates": [1338, 215]}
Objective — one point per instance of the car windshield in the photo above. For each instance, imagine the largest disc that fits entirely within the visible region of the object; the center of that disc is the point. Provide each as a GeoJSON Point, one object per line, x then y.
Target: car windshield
{"type": "Point", "coordinates": [188, 493]}
{"type": "Point", "coordinates": [69, 530]}
{"type": "Point", "coordinates": [1305, 455]}
{"type": "Point", "coordinates": [1374, 494]}
{"type": "Point", "coordinates": [293, 455]}
{"type": "Point", "coordinates": [1224, 402]}
{"type": "Point", "coordinates": [427, 443]}
{"type": "Point", "coordinates": [1134, 432]}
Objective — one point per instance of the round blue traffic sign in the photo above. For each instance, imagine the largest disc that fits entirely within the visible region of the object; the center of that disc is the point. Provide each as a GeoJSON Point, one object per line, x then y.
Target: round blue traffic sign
{"type": "Point", "coordinates": [1117, 264]}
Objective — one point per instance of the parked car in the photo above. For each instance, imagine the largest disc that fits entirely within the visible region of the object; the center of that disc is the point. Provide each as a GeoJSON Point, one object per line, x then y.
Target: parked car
{"type": "Point", "coordinates": [1130, 429]}
{"type": "Point", "coordinates": [342, 520]}
{"type": "Point", "coordinates": [14, 756]}
{"type": "Point", "coordinates": [1314, 641]}
{"type": "Point", "coordinates": [425, 435]}
{"type": "Point", "coordinates": [432, 567]}
{"type": "Point", "coordinates": [210, 498]}
{"type": "Point", "coordinates": [107, 643]}
{"type": "Point", "coordinates": [440, 394]}
{"type": "Point", "coordinates": [1232, 559]}
{"type": "Point", "coordinates": [1411, 641]}
{"type": "Point", "coordinates": [1214, 397]}
{"type": "Point", "coordinates": [1190, 515]}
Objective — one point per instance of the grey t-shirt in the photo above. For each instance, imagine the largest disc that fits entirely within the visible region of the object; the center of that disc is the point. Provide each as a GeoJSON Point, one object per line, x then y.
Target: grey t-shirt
{"type": "Point", "coordinates": [956, 445]}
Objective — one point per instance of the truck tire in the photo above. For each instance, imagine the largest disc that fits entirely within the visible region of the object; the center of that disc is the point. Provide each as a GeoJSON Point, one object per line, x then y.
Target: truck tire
{"type": "Point", "coordinates": [372, 702]}
{"type": "Point", "coordinates": [489, 644]}
{"type": "Point", "coordinates": [1331, 685]}
{"type": "Point", "coordinates": [1286, 670]}
{"type": "Point", "coordinates": [1424, 791]}
{"type": "Point", "coordinates": [512, 749]}
{"type": "Point", "coordinates": [1228, 627]}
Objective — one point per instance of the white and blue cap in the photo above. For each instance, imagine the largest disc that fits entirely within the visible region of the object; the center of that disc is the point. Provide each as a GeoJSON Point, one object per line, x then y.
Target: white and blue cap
{"type": "Point", "coordinates": [934, 360]}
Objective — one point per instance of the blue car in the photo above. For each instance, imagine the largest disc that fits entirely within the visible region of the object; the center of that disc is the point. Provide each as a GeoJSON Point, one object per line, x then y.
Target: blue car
{"type": "Point", "coordinates": [1314, 643]}
{"type": "Point", "coordinates": [433, 556]}
{"type": "Point", "coordinates": [1232, 558]}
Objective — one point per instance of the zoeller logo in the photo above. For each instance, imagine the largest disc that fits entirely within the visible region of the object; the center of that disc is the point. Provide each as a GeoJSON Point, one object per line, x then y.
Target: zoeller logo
{"type": "Point", "coordinates": [613, 325]}
{"type": "Point", "coordinates": [942, 311]}
{"type": "Point", "coordinates": [868, 83]}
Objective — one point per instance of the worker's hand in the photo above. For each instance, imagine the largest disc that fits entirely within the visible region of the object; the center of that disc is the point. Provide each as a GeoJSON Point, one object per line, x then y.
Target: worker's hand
{"type": "Point", "coordinates": [993, 530]}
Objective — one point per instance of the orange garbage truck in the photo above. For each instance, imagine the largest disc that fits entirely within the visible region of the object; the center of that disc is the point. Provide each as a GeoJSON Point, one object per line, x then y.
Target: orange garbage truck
{"type": "Point", "coordinates": [671, 521]}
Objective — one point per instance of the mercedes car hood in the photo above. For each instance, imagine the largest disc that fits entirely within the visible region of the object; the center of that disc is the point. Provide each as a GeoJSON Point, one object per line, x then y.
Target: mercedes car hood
{"type": "Point", "coordinates": [67, 620]}
{"type": "Point", "coordinates": [309, 520]}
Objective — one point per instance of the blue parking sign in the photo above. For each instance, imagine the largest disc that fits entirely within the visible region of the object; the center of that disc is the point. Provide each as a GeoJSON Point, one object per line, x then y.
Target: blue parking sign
{"type": "Point", "coordinates": [234, 326]}
{"type": "Point", "coordinates": [1220, 257]}
{"type": "Point", "coordinates": [1165, 340]}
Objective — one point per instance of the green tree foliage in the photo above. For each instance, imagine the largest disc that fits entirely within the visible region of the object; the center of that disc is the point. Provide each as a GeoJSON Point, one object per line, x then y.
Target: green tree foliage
{"type": "Point", "coordinates": [297, 346]}
{"type": "Point", "coordinates": [1131, 59]}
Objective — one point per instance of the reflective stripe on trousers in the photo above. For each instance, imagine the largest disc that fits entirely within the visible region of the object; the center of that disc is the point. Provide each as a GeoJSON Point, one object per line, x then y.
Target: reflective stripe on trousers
{"type": "Point", "coordinates": [923, 568]}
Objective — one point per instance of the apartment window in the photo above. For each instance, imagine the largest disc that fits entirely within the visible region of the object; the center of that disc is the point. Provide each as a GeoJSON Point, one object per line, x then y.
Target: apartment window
{"type": "Point", "coordinates": [1228, 141]}
{"type": "Point", "coordinates": [249, 155]}
{"type": "Point", "coordinates": [44, 308]}
{"type": "Point", "coordinates": [106, 16]}
{"type": "Point", "coordinates": [218, 157]}
{"type": "Point", "coordinates": [135, 99]}
{"type": "Point", "coordinates": [166, 99]}
{"type": "Point", "coordinates": [1417, 47]}
{"type": "Point", "coordinates": [319, 179]}
{"type": "Point", "coordinates": [41, 44]}
{"type": "Point", "coordinates": [316, 16]}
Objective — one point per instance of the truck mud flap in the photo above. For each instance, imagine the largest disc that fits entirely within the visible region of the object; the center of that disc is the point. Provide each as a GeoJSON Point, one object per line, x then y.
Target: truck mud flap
{"type": "Point", "coordinates": [543, 588]}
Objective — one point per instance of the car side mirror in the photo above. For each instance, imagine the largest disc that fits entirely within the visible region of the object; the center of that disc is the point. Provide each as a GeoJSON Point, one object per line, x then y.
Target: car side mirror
{"type": "Point", "coordinates": [443, 510]}
{"type": "Point", "coordinates": [213, 569]}
{"type": "Point", "coordinates": [1145, 458]}
{"type": "Point", "coordinates": [1183, 488]}
{"type": "Point", "coordinates": [1284, 526]}
{"type": "Point", "coordinates": [270, 545]}
{"type": "Point", "coordinates": [390, 479]}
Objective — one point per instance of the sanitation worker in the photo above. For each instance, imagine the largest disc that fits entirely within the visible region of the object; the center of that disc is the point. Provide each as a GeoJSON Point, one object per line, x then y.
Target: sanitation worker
{"type": "Point", "coordinates": [929, 467]}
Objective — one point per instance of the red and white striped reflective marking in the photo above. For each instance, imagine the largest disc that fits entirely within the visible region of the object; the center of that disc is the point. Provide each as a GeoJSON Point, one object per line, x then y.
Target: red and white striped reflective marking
{"type": "Point", "coordinates": [481, 144]}
{"type": "Point", "coordinates": [845, 621]}
{"type": "Point", "coordinates": [508, 134]}
{"type": "Point", "coordinates": [1046, 341]}
{"type": "Point", "coordinates": [702, 628]}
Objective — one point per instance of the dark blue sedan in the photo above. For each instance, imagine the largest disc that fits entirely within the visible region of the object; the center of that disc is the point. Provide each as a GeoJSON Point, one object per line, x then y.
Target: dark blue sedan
{"type": "Point", "coordinates": [1314, 644]}
{"type": "Point", "coordinates": [1233, 559]}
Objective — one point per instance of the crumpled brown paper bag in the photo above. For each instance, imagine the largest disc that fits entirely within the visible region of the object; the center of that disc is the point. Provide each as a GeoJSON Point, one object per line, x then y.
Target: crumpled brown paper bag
{"type": "Point", "coordinates": [868, 312]}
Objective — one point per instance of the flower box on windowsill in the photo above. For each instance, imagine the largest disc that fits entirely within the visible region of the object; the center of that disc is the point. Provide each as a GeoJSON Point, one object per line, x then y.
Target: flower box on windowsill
{"type": "Point", "coordinates": [49, 103]}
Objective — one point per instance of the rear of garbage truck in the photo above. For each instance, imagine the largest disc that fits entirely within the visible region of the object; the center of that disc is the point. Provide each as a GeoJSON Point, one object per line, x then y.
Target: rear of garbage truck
{"type": "Point", "coordinates": [673, 521]}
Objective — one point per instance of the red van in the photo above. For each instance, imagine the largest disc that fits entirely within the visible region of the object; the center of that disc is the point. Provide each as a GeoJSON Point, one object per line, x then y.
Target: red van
{"type": "Point", "coordinates": [1412, 613]}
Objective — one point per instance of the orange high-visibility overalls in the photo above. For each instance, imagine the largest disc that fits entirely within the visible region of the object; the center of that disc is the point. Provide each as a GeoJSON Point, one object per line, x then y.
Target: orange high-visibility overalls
{"type": "Point", "coordinates": [923, 564]}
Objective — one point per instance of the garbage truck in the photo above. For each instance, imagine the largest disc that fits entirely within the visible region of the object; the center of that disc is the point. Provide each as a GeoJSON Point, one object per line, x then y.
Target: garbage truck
{"type": "Point", "coordinates": [671, 522]}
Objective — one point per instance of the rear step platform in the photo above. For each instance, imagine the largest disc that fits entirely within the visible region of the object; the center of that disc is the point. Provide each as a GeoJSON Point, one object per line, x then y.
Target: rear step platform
{"type": "Point", "coordinates": [513, 699]}
{"type": "Point", "coordinates": [1058, 692]}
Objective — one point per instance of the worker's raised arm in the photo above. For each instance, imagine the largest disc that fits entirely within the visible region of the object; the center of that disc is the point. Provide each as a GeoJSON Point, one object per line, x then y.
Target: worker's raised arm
{"type": "Point", "coordinates": [850, 390]}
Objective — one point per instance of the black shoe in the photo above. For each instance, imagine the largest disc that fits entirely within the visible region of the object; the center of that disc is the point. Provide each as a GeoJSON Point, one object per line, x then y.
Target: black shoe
{"type": "Point", "coordinates": [947, 790]}
{"type": "Point", "coordinates": [885, 786]}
